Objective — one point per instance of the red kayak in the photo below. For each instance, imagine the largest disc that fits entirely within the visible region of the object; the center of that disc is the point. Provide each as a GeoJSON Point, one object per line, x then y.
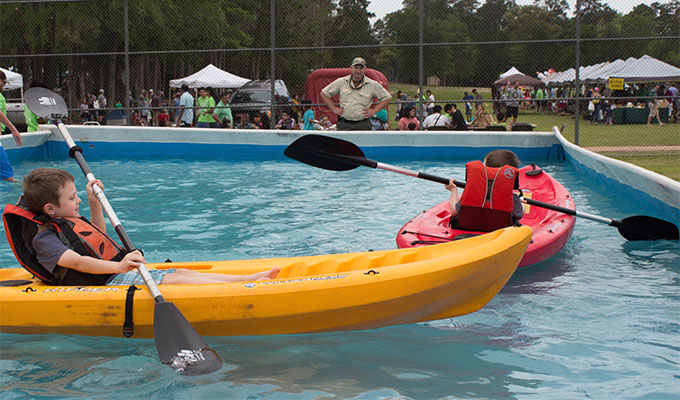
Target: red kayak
{"type": "Point", "coordinates": [551, 229]}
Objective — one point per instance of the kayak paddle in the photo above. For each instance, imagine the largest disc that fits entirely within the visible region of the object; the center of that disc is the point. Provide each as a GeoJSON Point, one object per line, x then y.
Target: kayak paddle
{"type": "Point", "coordinates": [341, 155]}
{"type": "Point", "coordinates": [178, 344]}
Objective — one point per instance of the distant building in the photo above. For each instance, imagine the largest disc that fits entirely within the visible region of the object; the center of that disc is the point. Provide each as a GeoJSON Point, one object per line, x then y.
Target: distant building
{"type": "Point", "coordinates": [433, 80]}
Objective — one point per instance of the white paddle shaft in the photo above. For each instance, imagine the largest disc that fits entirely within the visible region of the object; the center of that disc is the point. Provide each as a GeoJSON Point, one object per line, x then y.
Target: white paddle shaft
{"type": "Point", "coordinates": [110, 213]}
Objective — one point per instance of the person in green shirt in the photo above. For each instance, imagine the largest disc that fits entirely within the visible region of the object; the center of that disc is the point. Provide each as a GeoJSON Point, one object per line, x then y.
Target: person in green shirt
{"type": "Point", "coordinates": [3, 102]}
{"type": "Point", "coordinates": [33, 120]}
{"type": "Point", "coordinates": [222, 112]}
{"type": "Point", "coordinates": [6, 171]}
{"type": "Point", "coordinates": [206, 107]}
{"type": "Point", "coordinates": [540, 100]}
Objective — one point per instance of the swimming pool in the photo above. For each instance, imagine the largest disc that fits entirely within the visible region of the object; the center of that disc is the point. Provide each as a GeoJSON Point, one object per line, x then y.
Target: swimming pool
{"type": "Point", "coordinates": [598, 320]}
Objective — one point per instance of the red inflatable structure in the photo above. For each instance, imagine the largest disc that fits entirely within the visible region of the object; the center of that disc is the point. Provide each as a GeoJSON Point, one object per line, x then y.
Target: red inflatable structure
{"type": "Point", "coordinates": [320, 78]}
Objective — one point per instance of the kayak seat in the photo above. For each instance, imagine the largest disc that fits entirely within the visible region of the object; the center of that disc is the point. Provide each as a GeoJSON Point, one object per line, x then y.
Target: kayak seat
{"type": "Point", "coordinates": [349, 265]}
{"type": "Point", "coordinates": [399, 258]}
{"type": "Point", "coordinates": [325, 267]}
{"type": "Point", "coordinates": [293, 270]}
{"type": "Point", "coordinates": [375, 262]}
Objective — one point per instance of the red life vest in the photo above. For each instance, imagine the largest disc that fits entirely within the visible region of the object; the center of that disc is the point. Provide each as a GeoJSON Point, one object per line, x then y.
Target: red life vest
{"type": "Point", "coordinates": [487, 201]}
{"type": "Point", "coordinates": [78, 234]}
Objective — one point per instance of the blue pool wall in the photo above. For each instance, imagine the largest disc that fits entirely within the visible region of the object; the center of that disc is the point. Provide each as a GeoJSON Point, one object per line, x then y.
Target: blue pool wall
{"type": "Point", "coordinates": [652, 193]}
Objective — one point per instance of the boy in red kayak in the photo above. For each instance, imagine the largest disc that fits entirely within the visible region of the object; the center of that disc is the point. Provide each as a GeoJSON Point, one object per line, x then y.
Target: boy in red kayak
{"type": "Point", "coordinates": [488, 202]}
{"type": "Point", "coordinates": [73, 251]}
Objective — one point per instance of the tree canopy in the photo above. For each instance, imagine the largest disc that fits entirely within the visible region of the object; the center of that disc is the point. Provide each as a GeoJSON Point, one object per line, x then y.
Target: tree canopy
{"type": "Point", "coordinates": [466, 42]}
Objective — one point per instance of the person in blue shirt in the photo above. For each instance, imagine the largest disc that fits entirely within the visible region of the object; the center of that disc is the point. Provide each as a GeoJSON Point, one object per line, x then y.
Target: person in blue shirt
{"type": "Point", "coordinates": [467, 98]}
{"type": "Point", "coordinates": [308, 117]}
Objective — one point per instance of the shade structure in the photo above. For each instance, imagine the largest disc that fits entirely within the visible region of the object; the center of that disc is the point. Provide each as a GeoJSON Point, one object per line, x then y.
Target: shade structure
{"type": "Point", "coordinates": [14, 80]}
{"type": "Point", "coordinates": [648, 69]}
{"type": "Point", "coordinates": [511, 71]}
{"type": "Point", "coordinates": [524, 80]}
{"type": "Point", "coordinates": [643, 69]}
{"type": "Point", "coordinates": [210, 76]}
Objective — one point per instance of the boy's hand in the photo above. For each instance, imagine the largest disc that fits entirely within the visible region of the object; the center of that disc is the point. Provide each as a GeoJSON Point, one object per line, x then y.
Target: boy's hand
{"type": "Point", "coordinates": [131, 261]}
{"type": "Point", "coordinates": [451, 186]}
{"type": "Point", "coordinates": [90, 190]}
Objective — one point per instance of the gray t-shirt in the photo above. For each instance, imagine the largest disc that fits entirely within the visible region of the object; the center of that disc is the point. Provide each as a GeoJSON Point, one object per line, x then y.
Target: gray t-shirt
{"type": "Point", "coordinates": [514, 96]}
{"type": "Point", "coordinates": [48, 248]}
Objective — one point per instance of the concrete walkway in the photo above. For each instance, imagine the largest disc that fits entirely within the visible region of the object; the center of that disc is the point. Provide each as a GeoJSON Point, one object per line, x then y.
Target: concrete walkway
{"type": "Point", "coordinates": [601, 149]}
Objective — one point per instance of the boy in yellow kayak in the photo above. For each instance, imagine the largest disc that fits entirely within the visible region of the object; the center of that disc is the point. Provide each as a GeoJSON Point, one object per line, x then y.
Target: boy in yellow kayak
{"type": "Point", "coordinates": [71, 250]}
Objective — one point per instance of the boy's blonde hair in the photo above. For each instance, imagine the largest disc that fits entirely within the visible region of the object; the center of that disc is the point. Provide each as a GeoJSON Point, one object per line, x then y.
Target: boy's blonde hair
{"type": "Point", "coordinates": [499, 158]}
{"type": "Point", "coordinates": [41, 186]}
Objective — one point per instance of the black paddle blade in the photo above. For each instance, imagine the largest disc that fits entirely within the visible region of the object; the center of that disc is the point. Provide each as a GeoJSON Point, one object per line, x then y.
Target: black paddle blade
{"type": "Point", "coordinates": [45, 103]}
{"type": "Point", "coordinates": [324, 152]}
{"type": "Point", "coordinates": [179, 345]}
{"type": "Point", "coordinates": [641, 227]}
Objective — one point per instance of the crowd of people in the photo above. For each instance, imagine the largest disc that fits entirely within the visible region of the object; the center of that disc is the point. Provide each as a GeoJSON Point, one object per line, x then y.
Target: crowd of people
{"type": "Point", "coordinates": [212, 109]}
{"type": "Point", "coordinates": [603, 102]}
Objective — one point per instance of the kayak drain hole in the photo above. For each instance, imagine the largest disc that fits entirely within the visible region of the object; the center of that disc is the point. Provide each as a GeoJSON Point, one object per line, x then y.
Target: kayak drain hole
{"type": "Point", "coordinates": [371, 272]}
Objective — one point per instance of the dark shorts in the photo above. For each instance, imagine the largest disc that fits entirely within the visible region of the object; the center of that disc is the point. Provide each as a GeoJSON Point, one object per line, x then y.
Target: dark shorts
{"type": "Point", "coordinates": [347, 125]}
{"type": "Point", "coordinates": [512, 111]}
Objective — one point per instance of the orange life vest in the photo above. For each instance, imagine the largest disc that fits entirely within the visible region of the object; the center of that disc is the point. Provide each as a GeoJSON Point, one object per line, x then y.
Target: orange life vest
{"type": "Point", "coordinates": [78, 234]}
{"type": "Point", "coordinates": [487, 201]}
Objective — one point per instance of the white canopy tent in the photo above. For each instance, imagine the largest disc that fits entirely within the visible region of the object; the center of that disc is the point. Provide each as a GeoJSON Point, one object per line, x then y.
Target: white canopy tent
{"type": "Point", "coordinates": [511, 71]}
{"type": "Point", "coordinates": [643, 69]}
{"type": "Point", "coordinates": [211, 76]}
{"type": "Point", "coordinates": [648, 69]}
{"type": "Point", "coordinates": [14, 80]}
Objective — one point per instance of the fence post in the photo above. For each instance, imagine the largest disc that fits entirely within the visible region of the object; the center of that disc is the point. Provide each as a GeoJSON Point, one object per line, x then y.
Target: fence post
{"type": "Point", "coordinates": [420, 63]}
{"type": "Point", "coordinates": [126, 95]}
{"type": "Point", "coordinates": [577, 81]}
{"type": "Point", "coordinates": [272, 62]}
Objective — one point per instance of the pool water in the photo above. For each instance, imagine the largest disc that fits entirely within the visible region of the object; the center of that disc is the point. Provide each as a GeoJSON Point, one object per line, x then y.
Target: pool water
{"type": "Point", "coordinates": [598, 320]}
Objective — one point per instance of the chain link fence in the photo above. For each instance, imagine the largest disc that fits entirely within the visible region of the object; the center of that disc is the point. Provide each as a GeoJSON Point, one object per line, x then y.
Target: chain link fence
{"type": "Point", "coordinates": [113, 61]}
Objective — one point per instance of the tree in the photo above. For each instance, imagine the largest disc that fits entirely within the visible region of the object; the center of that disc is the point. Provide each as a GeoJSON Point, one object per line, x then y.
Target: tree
{"type": "Point", "coordinates": [351, 27]}
{"type": "Point", "coordinates": [488, 26]}
{"type": "Point", "coordinates": [593, 12]}
{"type": "Point", "coordinates": [556, 8]}
{"type": "Point", "coordinates": [532, 23]}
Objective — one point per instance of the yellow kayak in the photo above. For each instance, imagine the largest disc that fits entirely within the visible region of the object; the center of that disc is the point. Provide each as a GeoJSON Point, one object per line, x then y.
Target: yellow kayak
{"type": "Point", "coordinates": [320, 293]}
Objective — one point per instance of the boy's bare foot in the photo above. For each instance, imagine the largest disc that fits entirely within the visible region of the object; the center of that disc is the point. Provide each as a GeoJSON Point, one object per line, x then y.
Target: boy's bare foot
{"type": "Point", "coordinates": [271, 274]}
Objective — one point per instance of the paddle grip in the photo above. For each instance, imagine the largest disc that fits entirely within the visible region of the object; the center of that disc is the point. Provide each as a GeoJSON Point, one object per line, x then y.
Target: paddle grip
{"type": "Point", "coordinates": [553, 207]}
{"type": "Point", "coordinates": [435, 178]}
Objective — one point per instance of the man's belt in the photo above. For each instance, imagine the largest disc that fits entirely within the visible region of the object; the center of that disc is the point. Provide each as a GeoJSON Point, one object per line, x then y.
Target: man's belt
{"type": "Point", "coordinates": [352, 121]}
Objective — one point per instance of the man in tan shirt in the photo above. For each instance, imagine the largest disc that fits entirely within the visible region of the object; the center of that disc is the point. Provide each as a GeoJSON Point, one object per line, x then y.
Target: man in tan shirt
{"type": "Point", "coordinates": [356, 93]}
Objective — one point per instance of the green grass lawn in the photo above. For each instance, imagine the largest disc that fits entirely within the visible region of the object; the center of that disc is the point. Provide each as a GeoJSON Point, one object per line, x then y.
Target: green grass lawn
{"type": "Point", "coordinates": [666, 165]}
{"type": "Point", "coordinates": [665, 161]}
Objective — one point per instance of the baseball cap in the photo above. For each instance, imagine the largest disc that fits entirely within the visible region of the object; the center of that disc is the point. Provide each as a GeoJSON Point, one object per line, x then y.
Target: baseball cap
{"type": "Point", "coordinates": [359, 60]}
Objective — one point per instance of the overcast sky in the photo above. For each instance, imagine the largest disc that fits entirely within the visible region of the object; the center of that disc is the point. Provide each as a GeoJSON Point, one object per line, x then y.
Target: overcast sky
{"type": "Point", "coordinates": [382, 7]}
